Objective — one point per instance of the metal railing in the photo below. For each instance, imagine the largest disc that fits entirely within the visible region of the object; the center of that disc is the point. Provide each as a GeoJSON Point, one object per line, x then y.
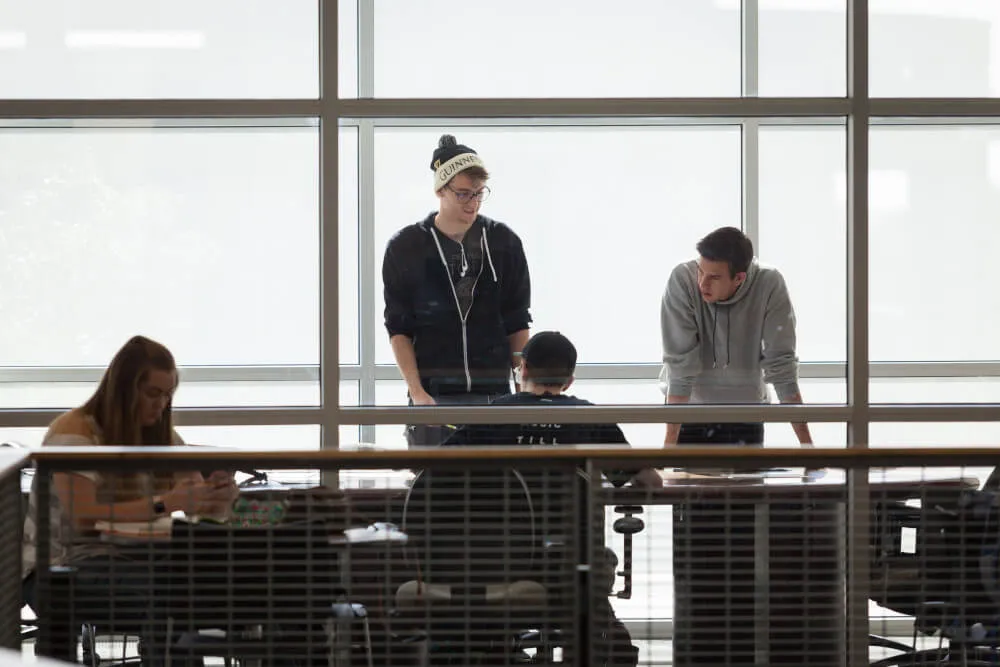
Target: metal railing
{"type": "Point", "coordinates": [792, 541]}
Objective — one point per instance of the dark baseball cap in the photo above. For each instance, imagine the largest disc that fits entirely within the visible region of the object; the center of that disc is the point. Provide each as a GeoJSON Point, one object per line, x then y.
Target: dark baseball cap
{"type": "Point", "coordinates": [551, 358]}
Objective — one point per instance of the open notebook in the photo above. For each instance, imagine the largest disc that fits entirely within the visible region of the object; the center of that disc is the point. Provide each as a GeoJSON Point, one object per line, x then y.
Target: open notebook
{"type": "Point", "coordinates": [160, 529]}
{"type": "Point", "coordinates": [735, 474]}
{"type": "Point", "coordinates": [147, 530]}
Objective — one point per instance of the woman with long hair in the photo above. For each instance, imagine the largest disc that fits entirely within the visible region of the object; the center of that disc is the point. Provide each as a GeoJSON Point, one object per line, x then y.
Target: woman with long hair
{"type": "Point", "coordinates": [131, 407]}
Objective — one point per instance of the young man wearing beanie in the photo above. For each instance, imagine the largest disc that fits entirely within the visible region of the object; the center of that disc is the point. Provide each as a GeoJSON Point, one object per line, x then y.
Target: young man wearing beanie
{"type": "Point", "coordinates": [728, 328]}
{"type": "Point", "coordinates": [457, 294]}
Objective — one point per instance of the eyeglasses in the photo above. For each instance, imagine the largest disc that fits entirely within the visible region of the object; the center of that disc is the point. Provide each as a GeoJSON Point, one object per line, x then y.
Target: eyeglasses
{"type": "Point", "coordinates": [466, 195]}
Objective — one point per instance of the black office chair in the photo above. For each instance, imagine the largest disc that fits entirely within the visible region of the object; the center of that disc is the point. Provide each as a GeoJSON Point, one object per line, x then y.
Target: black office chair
{"type": "Point", "coordinates": [950, 584]}
{"type": "Point", "coordinates": [83, 627]}
{"type": "Point", "coordinates": [487, 590]}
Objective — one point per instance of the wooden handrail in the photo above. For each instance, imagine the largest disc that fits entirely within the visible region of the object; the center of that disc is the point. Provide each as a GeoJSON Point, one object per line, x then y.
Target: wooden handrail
{"type": "Point", "coordinates": [659, 457]}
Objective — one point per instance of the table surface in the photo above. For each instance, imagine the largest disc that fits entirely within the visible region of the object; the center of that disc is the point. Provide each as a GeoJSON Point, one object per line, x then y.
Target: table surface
{"type": "Point", "coordinates": [829, 484]}
{"type": "Point", "coordinates": [130, 532]}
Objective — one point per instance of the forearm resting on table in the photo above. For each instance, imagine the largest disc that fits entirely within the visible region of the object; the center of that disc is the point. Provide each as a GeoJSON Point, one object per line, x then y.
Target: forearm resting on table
{"type": "Point", "coordinates": [79, 501]}
{"type": "Point", "coordinates": [406, 360]}
{"type": "Point", "coordinates": [648, 478]}
{"type": "Point", "coordinates": [801, 428]}
{"type": "Point", "coordinates": [674, 429]}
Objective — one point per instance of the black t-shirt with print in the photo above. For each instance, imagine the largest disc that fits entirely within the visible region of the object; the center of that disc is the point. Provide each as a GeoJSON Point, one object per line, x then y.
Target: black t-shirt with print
{"type": "Point", "coordinates": [553, 434]}
{"type": "Point", "coordinates": [539, 434]}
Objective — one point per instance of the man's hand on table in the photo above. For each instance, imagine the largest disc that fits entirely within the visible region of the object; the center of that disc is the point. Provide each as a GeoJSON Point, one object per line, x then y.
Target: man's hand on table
{"type": "Point", "coordinates": [648, 478]}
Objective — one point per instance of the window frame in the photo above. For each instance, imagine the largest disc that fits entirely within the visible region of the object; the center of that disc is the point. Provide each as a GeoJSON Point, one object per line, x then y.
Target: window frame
{"type": "Point", "coordinates": [857, 109]}
{"type": "Point", "coordinates": [364, 114]}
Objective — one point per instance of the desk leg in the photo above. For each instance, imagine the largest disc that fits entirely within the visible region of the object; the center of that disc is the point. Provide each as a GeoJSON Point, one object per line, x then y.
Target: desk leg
{"type": "Point", "coordinates": [807, 587]}
{"type": "Point", "coordinates": [762, 582]}
{"type": "Point", "coordinates": [757, 584]}
{"type": "Point", "coordinates": [714, 584]}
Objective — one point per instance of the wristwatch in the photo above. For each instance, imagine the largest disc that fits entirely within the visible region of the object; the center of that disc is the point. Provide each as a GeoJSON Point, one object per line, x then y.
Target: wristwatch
{"type": "Point", "coordinates": [159, 507]}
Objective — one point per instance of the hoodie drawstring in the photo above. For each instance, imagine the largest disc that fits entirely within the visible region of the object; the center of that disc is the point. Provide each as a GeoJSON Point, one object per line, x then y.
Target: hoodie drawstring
{"type": "Point", "coordinates": [715, 327]}
{"type": "Point", "coordinates": [729, 317]}
{"type": "Point", "coordinates": [489, 257]}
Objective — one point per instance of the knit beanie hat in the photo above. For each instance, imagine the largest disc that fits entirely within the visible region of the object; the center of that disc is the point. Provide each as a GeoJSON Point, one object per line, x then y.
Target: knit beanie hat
{"type": "Point", "coordinates": [451, 157]}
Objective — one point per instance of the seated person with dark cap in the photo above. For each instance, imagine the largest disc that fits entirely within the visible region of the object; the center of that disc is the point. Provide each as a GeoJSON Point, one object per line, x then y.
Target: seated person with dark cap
{"type": "Point", "coordinates": [548, 362]}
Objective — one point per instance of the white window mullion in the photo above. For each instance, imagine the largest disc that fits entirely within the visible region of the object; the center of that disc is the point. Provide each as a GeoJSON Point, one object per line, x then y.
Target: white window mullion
{"type": "Point", "coordinates": [369, 327]}
{"type": "Point", "coordinates": [329, 237]}
{"type": "Point", "coordinates": [369, 321]}
{"type": "Point", "coordinates": [750, 162]}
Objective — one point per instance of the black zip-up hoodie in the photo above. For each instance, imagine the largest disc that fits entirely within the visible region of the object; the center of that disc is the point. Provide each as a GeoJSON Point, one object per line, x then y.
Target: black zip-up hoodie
{"type": "Point", "coordinates": [453, 356]}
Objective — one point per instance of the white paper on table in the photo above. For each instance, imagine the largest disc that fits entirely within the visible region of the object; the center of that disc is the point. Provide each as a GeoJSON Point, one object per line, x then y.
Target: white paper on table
{"type": "Point", "coordinates": [156, 529]}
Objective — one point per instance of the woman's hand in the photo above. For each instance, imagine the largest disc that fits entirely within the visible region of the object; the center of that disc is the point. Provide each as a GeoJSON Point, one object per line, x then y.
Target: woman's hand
{"type": "Point", "coordinates": [196, 496]}
{"type": "Point", "coordinates": [224, 492]}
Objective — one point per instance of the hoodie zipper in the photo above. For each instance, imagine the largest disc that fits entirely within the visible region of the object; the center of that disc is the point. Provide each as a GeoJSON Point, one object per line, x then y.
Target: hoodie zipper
{"type": "Point", "coordinates": [458, 305]}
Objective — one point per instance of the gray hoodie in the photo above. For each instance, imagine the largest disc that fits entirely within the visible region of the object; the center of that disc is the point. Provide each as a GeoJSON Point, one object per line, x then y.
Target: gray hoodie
{"type": "Point", "coordinates": [725, 352]}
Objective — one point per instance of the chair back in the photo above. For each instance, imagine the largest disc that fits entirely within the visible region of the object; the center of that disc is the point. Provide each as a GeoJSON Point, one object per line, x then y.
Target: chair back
{"type": "Point", "coordinates": [951, 578]}
{"type": "Point", "coordinates": [471, 527]}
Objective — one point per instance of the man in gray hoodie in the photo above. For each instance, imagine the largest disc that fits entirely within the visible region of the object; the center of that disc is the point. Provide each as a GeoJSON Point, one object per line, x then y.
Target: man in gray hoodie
{"type": "Point", "coordinates": [728, 328]}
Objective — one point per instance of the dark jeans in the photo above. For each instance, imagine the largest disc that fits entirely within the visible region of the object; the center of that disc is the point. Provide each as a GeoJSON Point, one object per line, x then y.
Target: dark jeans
{"type": "Point", "coordinates": [432, 435]}
{"type": "Point", "coordinates": [612, 642]}
{"type": "Point", "coordinates": [751, 434]}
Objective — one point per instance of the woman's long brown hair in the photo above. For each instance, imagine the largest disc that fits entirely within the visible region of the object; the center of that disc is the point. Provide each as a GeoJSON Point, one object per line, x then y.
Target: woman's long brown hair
{"type": "Point", "coordinates": [115, 404]}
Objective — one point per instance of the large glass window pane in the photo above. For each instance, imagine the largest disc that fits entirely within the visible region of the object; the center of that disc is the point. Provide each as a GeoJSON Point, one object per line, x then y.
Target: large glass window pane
{"type": "Point", "coordinates": [935, 197]}
{"type": "Point", "coordinates": [390, 436]}
{"type": "Point", "coordinates": [27, 437]}
{"type": "Point", "coordinates": [569, 48]}
{"type": "Point", "coordinates": [802, 208]}
{"type": "Point", "coordinates": [934, 49]}
{"type": "Point", "coordinates": [119, 49]}
{"type": "Point", "coordinates": [972, 389]}
{"type": "Point", "coordinates": [604, 214]}
{"type": "Point", "coordinates": [941, 434]}
{"type": "Point", "coordinates": [263, 438]}
{"type": "Point", "coordinates": [258, 437]}
{"type": "Point", "coordinates": [228, 393]}
{"type": "Point", "coordinates": [205, 238]}
{"type": "Point", "coordinates": [802, 47]}
{"type": "Point", "coordinates": [634, 392]}
{"type": "Point", "coordinates": [347, 48]}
